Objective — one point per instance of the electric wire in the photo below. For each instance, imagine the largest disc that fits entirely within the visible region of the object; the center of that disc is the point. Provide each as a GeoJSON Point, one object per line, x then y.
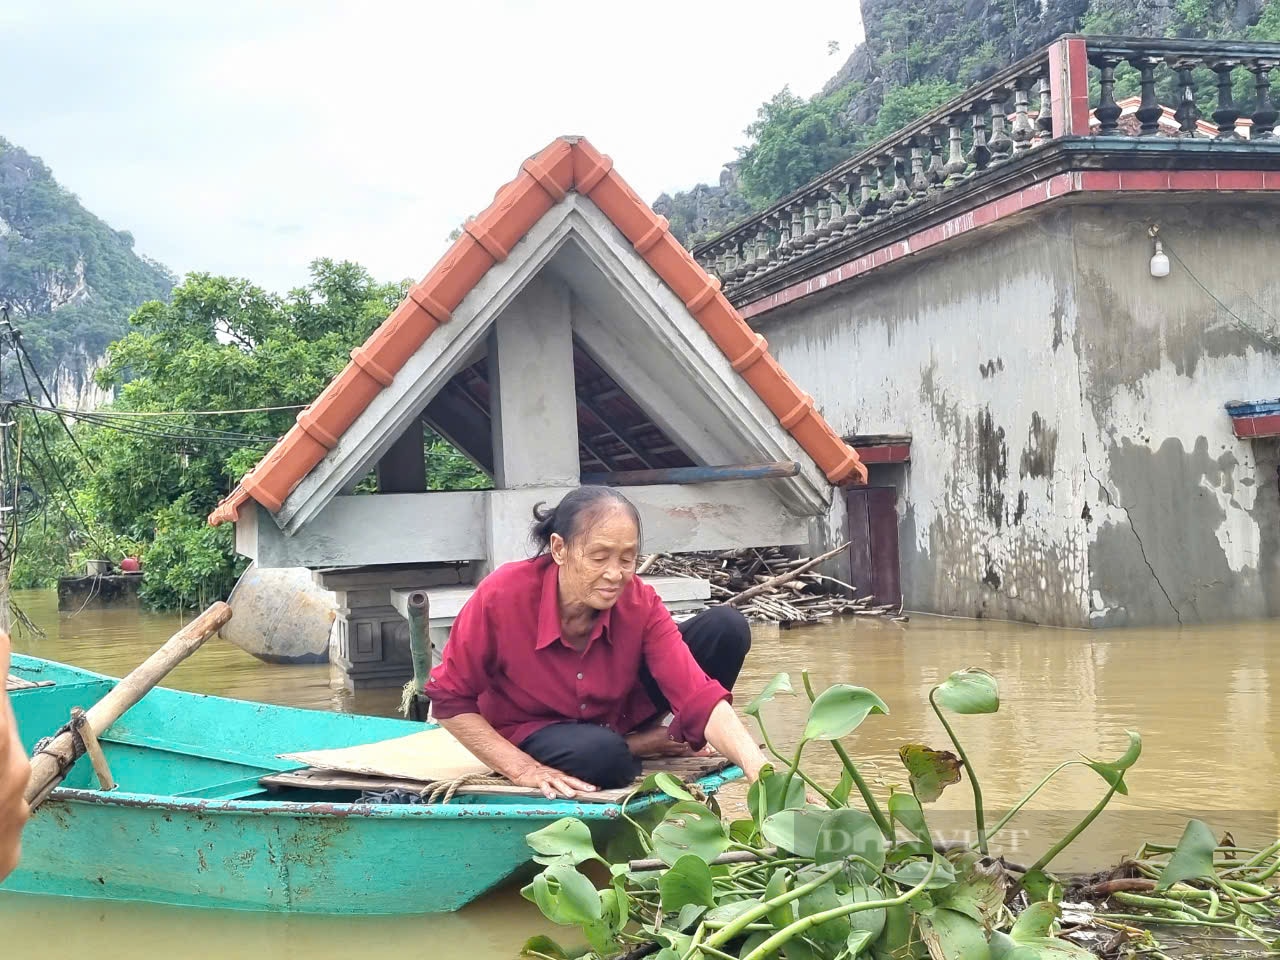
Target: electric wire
{"type": "Point", "coordinates": [15, 338]}
{"type": "Point", "coordinates": [1269, 337]}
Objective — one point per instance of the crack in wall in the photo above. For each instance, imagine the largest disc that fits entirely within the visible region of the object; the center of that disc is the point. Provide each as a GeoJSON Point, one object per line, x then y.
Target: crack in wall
{"type": "Point", "coordinates": [1142, 549]}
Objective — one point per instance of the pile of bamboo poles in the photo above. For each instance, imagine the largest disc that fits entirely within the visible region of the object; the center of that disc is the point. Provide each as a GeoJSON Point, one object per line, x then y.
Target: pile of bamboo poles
{"type": "Point", "coordinates": [769, 586]}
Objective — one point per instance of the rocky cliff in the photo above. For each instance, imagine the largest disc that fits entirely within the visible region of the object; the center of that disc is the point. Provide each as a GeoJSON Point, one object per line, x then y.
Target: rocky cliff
{"type": "Point", "coordinates": [69, 280]}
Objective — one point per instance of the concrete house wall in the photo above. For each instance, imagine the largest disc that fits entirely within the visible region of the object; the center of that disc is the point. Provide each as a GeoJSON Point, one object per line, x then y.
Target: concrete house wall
{"type": "Point", "coordinates": [1071, 461]}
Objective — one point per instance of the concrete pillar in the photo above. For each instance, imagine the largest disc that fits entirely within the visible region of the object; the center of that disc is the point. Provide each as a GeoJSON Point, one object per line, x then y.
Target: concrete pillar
{"type": "Point", "coordinates": [509, 521]}
{"type": "Point", "coordinates": [403, 468]}
{"type": "Point", "coordinates": [370, 641]}
{"type": "Point", "coordinates": [532, 402]}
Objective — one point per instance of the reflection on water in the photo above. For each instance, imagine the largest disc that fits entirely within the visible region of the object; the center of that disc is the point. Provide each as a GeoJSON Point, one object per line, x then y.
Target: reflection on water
{"type": "Point", "coordinates": [1201, 699]}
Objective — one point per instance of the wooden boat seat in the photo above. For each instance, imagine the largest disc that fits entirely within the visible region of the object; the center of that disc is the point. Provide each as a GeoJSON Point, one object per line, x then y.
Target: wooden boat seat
{"type": "Point", "coordinates": [17, 683]}
{"type": "Point", "coordinates": [685, 769]}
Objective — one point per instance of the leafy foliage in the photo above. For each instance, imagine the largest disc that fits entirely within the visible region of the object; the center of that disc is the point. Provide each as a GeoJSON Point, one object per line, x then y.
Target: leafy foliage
{"type": "Point", "coordinates": [827, 883]}
{"type": "Point", "coordinates": [793, 140]}
{"type": "Point", "coordinates": [147, 483]}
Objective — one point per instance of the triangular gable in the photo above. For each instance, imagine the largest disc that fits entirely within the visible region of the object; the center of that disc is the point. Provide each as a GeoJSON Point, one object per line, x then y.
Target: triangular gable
{"type": "Point", "coordinates": [545, 180]}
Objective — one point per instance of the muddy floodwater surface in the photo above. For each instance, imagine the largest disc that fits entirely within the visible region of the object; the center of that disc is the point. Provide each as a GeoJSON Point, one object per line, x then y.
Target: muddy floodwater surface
{"type": "Point", "coordinates": [1202, 698]}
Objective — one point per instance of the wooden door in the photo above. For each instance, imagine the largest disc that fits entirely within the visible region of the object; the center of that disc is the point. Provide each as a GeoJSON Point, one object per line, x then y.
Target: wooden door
{"type": "Point", "coordinates": [873, 543]}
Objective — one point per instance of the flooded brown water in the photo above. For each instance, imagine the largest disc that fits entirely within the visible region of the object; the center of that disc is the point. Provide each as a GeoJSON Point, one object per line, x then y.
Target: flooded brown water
{"type": "Point", "coordinates": [1202, 699]}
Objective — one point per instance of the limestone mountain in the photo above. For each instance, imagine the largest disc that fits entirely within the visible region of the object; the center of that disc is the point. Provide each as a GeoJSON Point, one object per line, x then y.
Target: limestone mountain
{"type": "Point", "coordinates": [918, 54]}
{"type": "Point", "coordinates": [70, 280]}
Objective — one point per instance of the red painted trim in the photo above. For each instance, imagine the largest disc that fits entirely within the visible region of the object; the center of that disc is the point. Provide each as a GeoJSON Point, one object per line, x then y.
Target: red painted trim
{"type": "Point", "coordinates": [1069, 87]}
{"type": "Point", "coordinates": [1087, 181]}
{"type": "Point", "coordinates": [1246, 428]}
{"type": "Point", "coordinates": [884, 453]}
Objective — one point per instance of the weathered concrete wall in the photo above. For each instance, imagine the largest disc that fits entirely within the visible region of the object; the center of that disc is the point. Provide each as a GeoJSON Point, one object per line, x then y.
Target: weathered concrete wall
{"type": "Point", "coordinates": [1185, 516]}
{"type": "Point", "coordinates": [1064, 405]}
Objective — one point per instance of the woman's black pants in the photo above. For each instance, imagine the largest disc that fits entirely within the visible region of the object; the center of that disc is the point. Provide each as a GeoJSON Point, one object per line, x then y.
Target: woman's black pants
{"type": "Point", "coordinates": [718, 638]}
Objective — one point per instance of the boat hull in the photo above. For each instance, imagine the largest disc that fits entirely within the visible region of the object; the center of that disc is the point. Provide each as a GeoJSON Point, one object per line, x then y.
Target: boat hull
{"type": "Point", "coordinates": [341, 861]}
{"type": "Point", "coordinates": [190, 824]}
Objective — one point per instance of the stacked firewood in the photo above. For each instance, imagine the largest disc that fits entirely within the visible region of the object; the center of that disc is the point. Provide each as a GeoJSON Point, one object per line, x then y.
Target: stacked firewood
{"type": "Point", "coordinates": [769, 586]}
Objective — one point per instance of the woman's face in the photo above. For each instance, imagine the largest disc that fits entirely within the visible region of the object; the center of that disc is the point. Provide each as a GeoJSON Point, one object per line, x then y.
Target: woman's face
{"type": "Point", "coordinates": [600, 561]}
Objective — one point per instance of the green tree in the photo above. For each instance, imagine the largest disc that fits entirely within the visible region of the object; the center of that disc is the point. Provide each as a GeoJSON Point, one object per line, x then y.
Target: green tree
{"type": "Point", "coordinates": [906, 104]}
{"type": "Point", "coordinates": [152, 471]}
{"type": "Point", "coordinates": [792, 141]}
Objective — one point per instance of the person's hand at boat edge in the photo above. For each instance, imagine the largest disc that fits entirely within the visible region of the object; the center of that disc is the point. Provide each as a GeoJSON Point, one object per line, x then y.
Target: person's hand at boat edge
{"type": "Point", "coordinates": [552, 782]}
{"type": "Point", "coordinates": [657, 742]}
{"type": "Point", "coordinates": [15, 772]}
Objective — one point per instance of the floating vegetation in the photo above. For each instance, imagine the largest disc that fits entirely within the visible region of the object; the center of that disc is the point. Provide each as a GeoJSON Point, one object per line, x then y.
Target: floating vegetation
{"type": "Point", "coordinates": [814, 874]}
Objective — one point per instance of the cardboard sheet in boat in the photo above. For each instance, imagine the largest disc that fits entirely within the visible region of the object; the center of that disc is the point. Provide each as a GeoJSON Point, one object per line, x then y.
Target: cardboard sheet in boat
{"type": "Point", "coordinates": [426, 757]}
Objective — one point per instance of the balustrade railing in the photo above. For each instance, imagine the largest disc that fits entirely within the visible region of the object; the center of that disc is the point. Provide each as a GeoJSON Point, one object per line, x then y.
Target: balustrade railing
{"type": "Point", "coordinates": [1042, 99]}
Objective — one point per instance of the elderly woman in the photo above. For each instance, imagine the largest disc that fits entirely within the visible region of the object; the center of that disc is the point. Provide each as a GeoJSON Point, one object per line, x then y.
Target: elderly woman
{"type": "Point", "coordinates": [560, 670]}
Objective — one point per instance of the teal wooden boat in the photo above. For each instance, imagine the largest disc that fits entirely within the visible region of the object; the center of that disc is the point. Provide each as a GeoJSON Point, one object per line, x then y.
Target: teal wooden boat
{"type": "Point", "coordinates": [190, 824]}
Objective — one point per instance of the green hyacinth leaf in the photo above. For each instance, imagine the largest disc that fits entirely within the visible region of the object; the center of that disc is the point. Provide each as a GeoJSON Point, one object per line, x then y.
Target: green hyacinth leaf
{"type": "Point", "coordinates": [543, 948]}
{"type": "Point", "coordinates": [949, 935]}
{"type": "Point", "coordinates": [774, 792]}
{"type": "Point", "coordinates": [671, 786]}
{"type": "Point", "coordinates": [870, 922]}
{"type": "Point", "coordinates": [795, 831]}
{"type": "Point", "coordinates": [1192, 858]}
{"type": "Point", "coordinates": [1036, 922]}
{"type": "Point", "coordinates": [564, 895]}
{"type": "Point", "coordinates": [911, 874]}
{"type": "Point", "coordinates": [781, 683]}
{"type": "Point", "coordinates": [689, 828]}
{"type": "Point", "coordinates": [847, 833]}
{"type": "Point", "coordinates": [971, 690]}
{"type": "Point", "coordinates": [822, 899]}
{"type": "Point", "coordinates": [1113, 771]}
{"type": "Point", "coordinates": [839, 710]}
{"type": "Point", "coordinates": [688, 882]}
{"type": "Point", "coordinates": [778, 884]}
{"type": "Point", "coordinates": [905, 809]}
{"type": "Point", "coordinates": [568, 840]}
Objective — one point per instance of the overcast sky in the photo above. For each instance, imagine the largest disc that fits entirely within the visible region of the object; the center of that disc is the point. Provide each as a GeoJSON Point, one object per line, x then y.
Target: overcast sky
{"type": "Point", "coordinates": [250, 138]}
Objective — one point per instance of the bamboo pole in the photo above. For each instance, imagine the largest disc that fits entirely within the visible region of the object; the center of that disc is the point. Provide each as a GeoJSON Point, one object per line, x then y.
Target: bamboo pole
{"type": "Point", "coordinates": [783, 578]}
{"type": "Point", "coordinates": [58, 755]}
{"type": "Point", "coordinates": [92, 747]}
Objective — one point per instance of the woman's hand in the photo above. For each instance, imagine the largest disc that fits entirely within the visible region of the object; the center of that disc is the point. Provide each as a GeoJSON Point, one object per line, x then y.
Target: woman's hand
{"type": "Point", "coordinates": [657, 742]}
{"type": "Point", "coordinates": [552, 782]}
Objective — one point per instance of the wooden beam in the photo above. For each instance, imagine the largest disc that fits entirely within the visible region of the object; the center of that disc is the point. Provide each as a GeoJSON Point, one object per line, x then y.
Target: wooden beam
{"type": "Point", "coordinates": [677, 518]}
{"type": "Point", "coordinates": [383, 529]}
{"type": "Point", "coordinates": [680, 475]}
{"type": "Point", "coordinates": [595, 411]}
{"type": "Point", "coordinates": [459, 418]}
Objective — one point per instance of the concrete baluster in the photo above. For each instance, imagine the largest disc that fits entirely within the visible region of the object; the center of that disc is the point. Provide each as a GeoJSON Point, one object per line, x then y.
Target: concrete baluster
{"type": "Point", "coordinates": [1227, 113]}
{"type": "Point", "coordinates": [1187, 114]}
{"type": "Point", "coordinates": [1108, 111]}
{"type": "Point", "coordinates": [1265, 114]}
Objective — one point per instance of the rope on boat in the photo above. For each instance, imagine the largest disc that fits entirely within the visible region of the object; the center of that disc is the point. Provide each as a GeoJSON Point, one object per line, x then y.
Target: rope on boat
{"type": "Point", "coordinates": [64, 763]}
{"type": "Point", "coordinates": [442, 791]}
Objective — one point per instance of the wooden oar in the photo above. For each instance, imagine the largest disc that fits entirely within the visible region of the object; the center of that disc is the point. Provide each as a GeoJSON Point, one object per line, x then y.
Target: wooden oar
{"type": "Point", "coordinates": [50, 765]}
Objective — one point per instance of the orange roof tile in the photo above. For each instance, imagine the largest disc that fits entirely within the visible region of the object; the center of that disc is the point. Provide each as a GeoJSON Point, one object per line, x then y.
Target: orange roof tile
{"type": "Point", "coordinates": [567, 163]}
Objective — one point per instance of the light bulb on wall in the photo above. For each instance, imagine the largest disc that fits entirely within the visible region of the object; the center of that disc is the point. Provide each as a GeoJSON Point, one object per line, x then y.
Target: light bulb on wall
{"type": "Point", "coordinates": [1159, 260]}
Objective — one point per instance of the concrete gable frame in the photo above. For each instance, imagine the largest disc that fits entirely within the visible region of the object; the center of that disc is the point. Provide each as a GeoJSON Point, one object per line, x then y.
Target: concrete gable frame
{"type": "Point", "coordinates": [714, 418]}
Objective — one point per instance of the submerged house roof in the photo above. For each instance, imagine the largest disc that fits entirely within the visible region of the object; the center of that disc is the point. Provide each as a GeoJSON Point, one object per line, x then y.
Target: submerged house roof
{"type": "Point", "coordinates": [567, 165]}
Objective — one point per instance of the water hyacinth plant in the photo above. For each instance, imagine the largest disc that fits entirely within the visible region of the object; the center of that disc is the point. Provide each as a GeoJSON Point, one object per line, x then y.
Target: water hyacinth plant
{"type": "Point", "coordinates": [855, 875]}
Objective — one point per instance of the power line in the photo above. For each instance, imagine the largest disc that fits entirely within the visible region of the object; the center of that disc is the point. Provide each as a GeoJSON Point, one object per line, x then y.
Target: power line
{"type": "Point", "coordinates": [15, 337]}
{"type": "Point", "coordinates": [203, 413]}
{"type": "Point", "coordinates": [1240, 321]}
